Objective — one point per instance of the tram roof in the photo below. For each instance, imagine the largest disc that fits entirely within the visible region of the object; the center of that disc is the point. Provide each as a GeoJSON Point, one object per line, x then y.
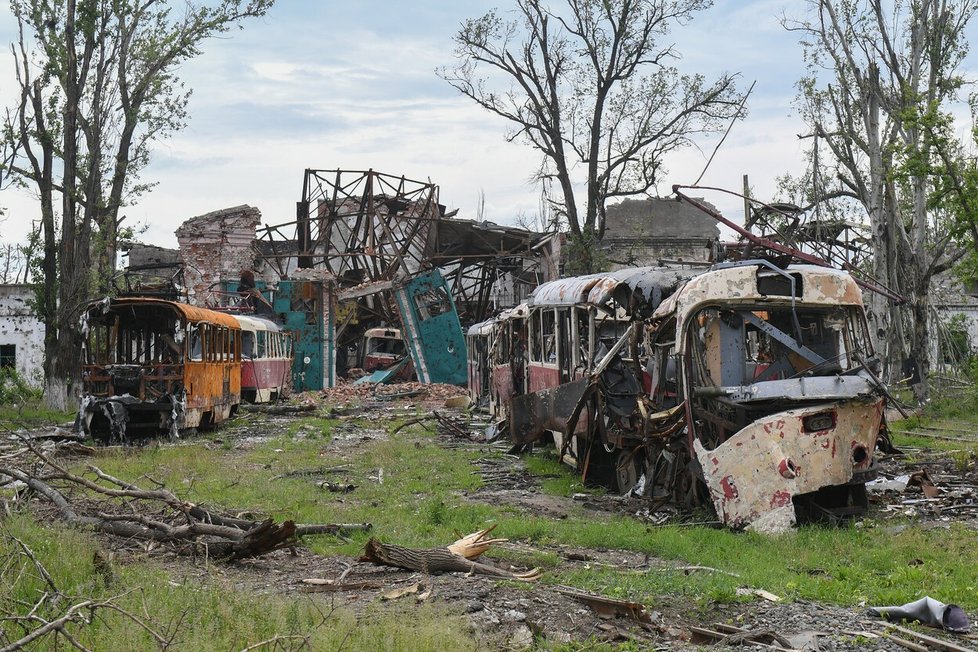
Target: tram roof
{"type": "Point", "coordinates": [186, 311]}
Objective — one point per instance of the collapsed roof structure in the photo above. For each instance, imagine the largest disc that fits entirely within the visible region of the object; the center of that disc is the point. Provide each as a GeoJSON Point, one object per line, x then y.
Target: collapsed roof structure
{"type": "Point", "coordinates": [368, 229]}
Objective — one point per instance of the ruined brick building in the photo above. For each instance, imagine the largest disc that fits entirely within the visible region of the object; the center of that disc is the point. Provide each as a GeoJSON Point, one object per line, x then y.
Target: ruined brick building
{"type": "Point", "coordinates": [641, 232]}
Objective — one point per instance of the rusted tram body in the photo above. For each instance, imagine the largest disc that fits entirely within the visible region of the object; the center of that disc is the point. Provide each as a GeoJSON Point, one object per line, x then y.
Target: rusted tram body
{"type": "Point", "coordinates": [745, 386]}
{"type": "Point", "coordinates": [266, 360]}
{"type": "Point", "coordinates": [155, 366]}
{"type": "Point", "coordinates": [496, 350]}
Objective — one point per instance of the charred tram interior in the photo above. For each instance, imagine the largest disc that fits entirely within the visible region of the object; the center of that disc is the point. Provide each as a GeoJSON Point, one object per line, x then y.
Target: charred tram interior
{"type": "Point", "coordinates": [154, 366]}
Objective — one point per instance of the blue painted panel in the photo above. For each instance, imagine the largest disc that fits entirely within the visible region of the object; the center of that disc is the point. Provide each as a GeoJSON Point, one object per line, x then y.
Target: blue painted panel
{"type": "Point", "coordinates": [431, 329]}
{"type": "Point", "coordinates": [298, 305]}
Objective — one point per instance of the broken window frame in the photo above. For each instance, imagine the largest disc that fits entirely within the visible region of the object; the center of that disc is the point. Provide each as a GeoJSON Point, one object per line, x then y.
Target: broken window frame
{"type": "Point", "coordinates": [8, 356]}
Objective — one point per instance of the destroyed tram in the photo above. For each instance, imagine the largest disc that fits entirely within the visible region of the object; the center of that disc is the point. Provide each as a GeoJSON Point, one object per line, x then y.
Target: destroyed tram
{"type": "Point", "coordinates": [748, 387]}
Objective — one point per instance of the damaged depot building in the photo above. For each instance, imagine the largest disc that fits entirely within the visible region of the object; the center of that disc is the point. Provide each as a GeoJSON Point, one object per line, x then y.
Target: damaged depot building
{"type": "Point", "coordinates": [747, 385]}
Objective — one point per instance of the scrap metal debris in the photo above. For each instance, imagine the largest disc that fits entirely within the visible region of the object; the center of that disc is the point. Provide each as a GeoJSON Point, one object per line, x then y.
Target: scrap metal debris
{"type": "Point", "coordinates": [928, 611]}
{"type": "Point", "coordinates": [723, 634]}
{"type": "Point", "coordinates": [610, 607]}
{"type": "Point", "coordinates": [920, 641]}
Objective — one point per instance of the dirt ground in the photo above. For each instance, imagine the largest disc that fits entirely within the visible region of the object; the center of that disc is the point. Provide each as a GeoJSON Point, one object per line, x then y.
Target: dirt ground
{"type": "Point", "coordinates": [506, 616]}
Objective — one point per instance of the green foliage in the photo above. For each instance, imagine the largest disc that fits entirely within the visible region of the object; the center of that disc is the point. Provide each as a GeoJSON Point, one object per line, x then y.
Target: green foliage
{"type": "Point", "coordinates": [955, 344]}
{"type": "Point", "coordinates": [22, 406]}
{"type": "Point", "coordinates": [557, 479]}
{"type": "Point", "coordinates": [14, 389]}
{"type": "Point", "coordinates": [583, 255]}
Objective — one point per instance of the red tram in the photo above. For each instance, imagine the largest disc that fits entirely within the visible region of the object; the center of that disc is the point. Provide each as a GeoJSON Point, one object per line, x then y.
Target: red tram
{"type": "Point", "coordinates": [266, 360]}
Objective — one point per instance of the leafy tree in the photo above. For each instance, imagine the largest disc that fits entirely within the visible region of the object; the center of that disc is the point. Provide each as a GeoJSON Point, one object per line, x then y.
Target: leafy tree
{"type": "Point", "coordinates": [98, 86]}
{"type": "Point", "coordinates": [881, 82]}
{"type": "Point", "coordinates": [591, 86]}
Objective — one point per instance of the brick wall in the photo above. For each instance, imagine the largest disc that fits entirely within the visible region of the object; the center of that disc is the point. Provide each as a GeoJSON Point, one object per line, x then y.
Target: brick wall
{"type": "Point", "coordinates": [216, 246]}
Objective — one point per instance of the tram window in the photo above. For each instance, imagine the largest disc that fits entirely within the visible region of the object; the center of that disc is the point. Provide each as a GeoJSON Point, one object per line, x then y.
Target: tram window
{"type": "Point", "coordinates": [548, 332]}
{"type": "Point", "coordinates": [247, 344]}
{"type": "Point", "coordinates": [260, 337]}
{"type": "Point", "coordinates": [433, 302]}
{"type": "Point", "coordinates": [196, 341]}
{"type": "Point", "coordinates": [536, 341]}
{"type": "Point", "coordinates": [217, 350]}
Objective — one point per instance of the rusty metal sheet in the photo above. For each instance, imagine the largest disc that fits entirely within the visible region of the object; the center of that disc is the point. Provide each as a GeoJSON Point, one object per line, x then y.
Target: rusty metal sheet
{"type": "Point", "coordinates": [821, 286]}
{"type": "Point", "coordinates": [639, 290]}
{"type": "Point", "coordinates": [548, 409]}
{"type": "Point", "coordinates": [565, 291]}
{"type": "Point", "coordinates": [753, 476]}
{"type": "Point", "coordinates": [824, 388]}
{"type": "Point", "coordinates": [188, 312]}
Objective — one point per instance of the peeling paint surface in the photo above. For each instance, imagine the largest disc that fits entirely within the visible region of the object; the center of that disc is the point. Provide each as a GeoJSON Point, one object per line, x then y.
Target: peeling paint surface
{"type": "Point", "coordinates": [757, 472]}
{"type": "Point", "coordinates": [821, 286]}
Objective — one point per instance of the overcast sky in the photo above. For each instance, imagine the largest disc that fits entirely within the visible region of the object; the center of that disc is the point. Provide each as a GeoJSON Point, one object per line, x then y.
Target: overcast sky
{"type": "Point", "coordinates": [351, 85]}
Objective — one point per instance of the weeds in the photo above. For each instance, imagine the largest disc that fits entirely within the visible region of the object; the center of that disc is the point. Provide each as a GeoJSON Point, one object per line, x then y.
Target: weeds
{"type": "Point", "coordinates": [195, 614]}
{"type": "Point", "coordinates": [21, 404]}
{"type": "Point", "coordinates": [418, 494]}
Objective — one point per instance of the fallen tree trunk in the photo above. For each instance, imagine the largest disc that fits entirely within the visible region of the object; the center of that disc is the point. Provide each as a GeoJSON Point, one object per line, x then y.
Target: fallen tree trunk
{"type": "Point", "coordinates": [435, 560]}
{"type": "Point", "coordinates": [190, 528]}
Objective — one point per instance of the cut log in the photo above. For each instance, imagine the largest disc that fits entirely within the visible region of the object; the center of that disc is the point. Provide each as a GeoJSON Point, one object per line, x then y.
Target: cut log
{"type": "Point", "coordinates": [435, 560]}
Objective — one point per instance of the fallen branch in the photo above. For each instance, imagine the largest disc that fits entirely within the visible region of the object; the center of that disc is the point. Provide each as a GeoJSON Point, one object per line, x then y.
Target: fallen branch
{"type": "Point", "coordinates": [435, 560]}
{"type": "Point", "coordinates": [338, 529]}
{"type": "Point", "coordinates": [473, 545]}
{"type": "Point", "coordinates": [931, 642]}
{"type": "Point", "coordinates": [316, 585]}
{"type": "Point", "coordinates": [193, 528]}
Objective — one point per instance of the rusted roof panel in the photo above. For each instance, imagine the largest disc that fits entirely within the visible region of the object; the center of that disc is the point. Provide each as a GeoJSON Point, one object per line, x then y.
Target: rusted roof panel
{"type": "Point", "coordinates": [639, 290]}
{"type": "Point", "coordinates": [565, 291]}
{"type": "Point", "coordinates": [188, 312]}
{"type": "Point", "coordinates": [253, 323]}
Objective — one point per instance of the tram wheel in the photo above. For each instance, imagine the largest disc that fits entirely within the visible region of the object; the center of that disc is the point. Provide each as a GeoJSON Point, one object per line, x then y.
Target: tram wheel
{"type": "Point", "coordinates": [627, 465]}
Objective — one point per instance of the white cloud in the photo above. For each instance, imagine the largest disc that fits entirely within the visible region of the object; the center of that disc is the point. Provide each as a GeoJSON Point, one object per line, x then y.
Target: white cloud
{"type": "Point", "coordinates": [321, 86]}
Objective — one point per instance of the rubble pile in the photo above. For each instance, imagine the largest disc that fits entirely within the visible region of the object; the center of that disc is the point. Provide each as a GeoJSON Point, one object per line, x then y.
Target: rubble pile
{"type": "Point", "coordinates": [346, 393]}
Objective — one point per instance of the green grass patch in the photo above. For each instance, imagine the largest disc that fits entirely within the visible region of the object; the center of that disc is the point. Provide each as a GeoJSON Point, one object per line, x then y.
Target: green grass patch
{"type": "Point", "coordinates": [418, 494]}
{"type": "Point", "coordinates": [421, 502]}
{"type": "Point", "coordinates": [556, 479]}
{"type": "Point", "coordinates": [29, 413]}
{"type": "Point", "coordinates": [198, 614]}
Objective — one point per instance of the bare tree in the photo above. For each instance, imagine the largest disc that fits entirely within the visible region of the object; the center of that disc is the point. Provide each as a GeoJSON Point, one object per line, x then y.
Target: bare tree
{"type": "Point", "coordinates": [590, 84]}
{"type": "Point", "coordinates": [98, 86]}
{"type": "Point", "coordinates": [881, 79]}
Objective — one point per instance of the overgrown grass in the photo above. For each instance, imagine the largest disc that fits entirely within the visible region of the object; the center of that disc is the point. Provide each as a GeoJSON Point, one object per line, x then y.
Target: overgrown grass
{"type": "Point", "coordinates": [951, 420]}
{"type": "Point", "coordinates": [197, 614]}
{"type": "Point", "coordinates": [422, 502]}
{"type": "Point", "coordinates": [416, 493]}
{"type": "Point", "coordinates": [555, 478]}
{"type": "Point", "coordinates": [29, 412]}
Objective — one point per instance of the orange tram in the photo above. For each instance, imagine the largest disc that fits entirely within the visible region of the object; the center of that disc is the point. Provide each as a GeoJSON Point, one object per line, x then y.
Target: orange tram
{"type": "Point", "coordinates": [154, 366]}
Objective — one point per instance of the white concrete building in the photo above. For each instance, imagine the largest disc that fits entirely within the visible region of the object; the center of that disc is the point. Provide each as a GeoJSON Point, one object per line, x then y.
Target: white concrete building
{"type": "Point", "coordinates": [21, 334]}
